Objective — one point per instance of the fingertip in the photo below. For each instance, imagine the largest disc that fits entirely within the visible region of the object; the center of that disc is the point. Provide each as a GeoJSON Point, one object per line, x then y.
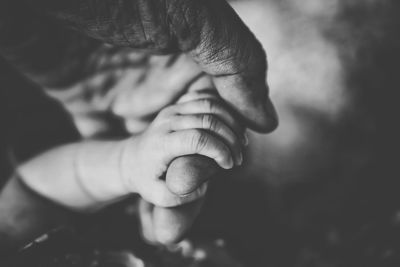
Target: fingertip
{"type": "Point", "coordinates": [201, 192]}
{"type": "Point", "coordinates": [187, 174]}
{"type": "Point", "coordinates": [245, 140]}
{"type": "Point", "coordinates": [266, 119]}
{"type": "Point", "coordinates": [240, 159]}
{"type": "Point", "coordinates": [248, 95]}
{"type": "Point", "coordinates": [227, 165]}
{"type": "Point", "coordinates": [167, 236]}
{"type": "Point", "coordinates": [171, 225]}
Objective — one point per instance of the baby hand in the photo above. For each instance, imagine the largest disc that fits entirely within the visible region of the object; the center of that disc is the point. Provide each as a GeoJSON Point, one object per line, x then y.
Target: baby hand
{"type": "Point", "coordinates": [205, 127]}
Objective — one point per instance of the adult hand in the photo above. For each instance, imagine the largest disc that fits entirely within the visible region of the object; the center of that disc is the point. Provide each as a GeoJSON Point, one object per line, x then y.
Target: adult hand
{"type": "Point", "coordinates": [209, 30]}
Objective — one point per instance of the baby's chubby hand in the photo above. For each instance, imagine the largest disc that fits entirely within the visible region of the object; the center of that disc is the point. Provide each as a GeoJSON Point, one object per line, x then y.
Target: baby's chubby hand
{"type": "Point", "coordinates": [203, 126]}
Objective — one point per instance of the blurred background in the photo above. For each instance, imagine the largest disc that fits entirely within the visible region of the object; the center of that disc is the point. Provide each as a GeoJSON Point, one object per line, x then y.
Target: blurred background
{"type": "Point", "coordinates": [322, 189]}
{"type": "Point", "coordinates": [330, 168]}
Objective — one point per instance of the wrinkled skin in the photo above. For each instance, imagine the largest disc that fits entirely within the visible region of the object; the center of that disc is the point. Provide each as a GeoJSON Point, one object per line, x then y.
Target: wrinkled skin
{"type": "Point", "coordinates": [209, 31]}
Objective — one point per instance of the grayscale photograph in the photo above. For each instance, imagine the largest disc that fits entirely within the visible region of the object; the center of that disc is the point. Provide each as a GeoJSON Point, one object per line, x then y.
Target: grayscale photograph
{"type": "Point", "coordinates": [199, 133]}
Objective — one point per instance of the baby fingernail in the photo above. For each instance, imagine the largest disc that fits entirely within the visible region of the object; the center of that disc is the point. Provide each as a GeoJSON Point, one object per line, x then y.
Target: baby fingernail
{"type": "Point", "coordinates": [230, 163]}
{"type": "Point", "coordinates": [203, 189]}
{"type": "Point", "coordinates": [240, 159]}
{"type": "Point", "coordinates": [245, 139]}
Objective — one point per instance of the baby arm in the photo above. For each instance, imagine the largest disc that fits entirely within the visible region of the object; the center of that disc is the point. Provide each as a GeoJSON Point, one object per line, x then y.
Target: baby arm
{"type": "Point", "coordinates": [89, 175]}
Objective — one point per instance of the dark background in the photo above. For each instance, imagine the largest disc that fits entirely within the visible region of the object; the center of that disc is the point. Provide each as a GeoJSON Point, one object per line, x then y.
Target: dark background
{"type": "Point", "coordinates": [328, 196]}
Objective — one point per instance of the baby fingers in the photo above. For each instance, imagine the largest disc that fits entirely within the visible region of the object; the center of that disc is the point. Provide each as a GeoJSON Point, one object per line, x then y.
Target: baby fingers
{"type": "Point", "coordinates": [196, 141]}
{"type": "Point", "coordinates": [212, 124]}
{"type": "Point", "coordinates": [212, 106]}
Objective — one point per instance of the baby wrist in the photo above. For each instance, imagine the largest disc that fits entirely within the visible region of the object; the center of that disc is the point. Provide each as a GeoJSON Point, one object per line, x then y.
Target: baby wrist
{"type": "Point", "coordinates": [126, 164]}
{"type": "Point", "coordinates": [98, 171]}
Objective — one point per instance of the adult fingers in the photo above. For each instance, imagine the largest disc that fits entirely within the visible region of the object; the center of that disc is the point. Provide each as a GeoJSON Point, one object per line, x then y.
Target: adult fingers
{"type": "Point", "coordinates": [227, 50]}
{"type": "Point", "coordinates": [160, 195]}
{"type": "Point", "coordinates": [146, 221]}
{"type": "Point", "coordinates": [159, 84]}
{"type": "Point", "coordinates": [209, 30]}
{"type": "Point", "coordinates": [171, 224]}
{"type": "Point", "coordinates": [186, 174]}
{"type": "Point", "coordinates": [167, 225]}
